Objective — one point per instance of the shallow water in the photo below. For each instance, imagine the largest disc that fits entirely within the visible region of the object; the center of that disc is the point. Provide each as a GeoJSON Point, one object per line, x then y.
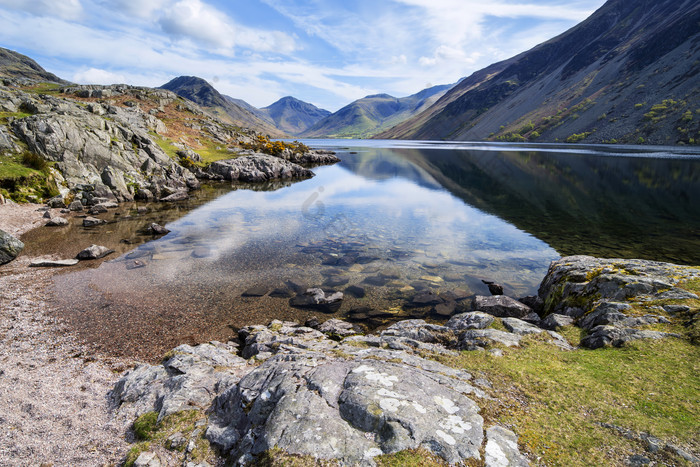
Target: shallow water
{"type": "Point", "coordinates": [393, 218]}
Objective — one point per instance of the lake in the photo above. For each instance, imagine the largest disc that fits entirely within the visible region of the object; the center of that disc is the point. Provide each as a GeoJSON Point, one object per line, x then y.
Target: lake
{"type": "Point", "coordinates": [390, 221]}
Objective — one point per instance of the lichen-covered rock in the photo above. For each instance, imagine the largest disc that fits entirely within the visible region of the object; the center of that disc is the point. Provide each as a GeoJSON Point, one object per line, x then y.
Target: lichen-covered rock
{"type": "Point", "coordinates": [189, 379]}
{"type": "Point", "coordinates": [607, 295]}
{"type": "Point", "coordinates": [350, 410]}
{"type": "Point", "coordinates": [470, 320]}
{"type": "Point", "coordinates": [580, 281]}
{"type": "Point", "coordinates": [258, 168]}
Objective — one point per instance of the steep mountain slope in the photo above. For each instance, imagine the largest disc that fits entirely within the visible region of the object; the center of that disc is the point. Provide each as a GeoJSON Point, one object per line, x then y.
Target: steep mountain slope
{"type": "Point", "coordinates": [294, 116]}
{"type": "Point", "coordinates": [372, 114]}
{"type": "Point", "coordinates": [15, 66]}
{"type": "Point", "coordinates": [202, 93]}
{"type": "Point", "coordinates": [626, 74]}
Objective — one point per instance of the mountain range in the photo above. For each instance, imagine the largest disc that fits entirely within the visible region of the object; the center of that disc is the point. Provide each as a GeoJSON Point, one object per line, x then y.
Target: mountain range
{"type": "Point", "coordinates": [627, 74]}
{"type": "Point", "coordinates": [370, 115]}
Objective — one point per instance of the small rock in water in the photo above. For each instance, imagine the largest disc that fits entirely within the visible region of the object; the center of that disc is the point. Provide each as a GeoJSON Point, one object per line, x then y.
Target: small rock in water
{"type": "Point", "coordinates": [93, 221]}
{"type": "Point", "coordinates": [356, 291]}
{"type": "Point", "coordinates": [94, 252]}
{"type": "Point", "coordinates": [281, 292]}
{"type": "Point", "coordinates": [47, 215]}
{"type": "Point", "coordinates": [75, 206]}
{"type": "Point", "coordinates": [158, 229]}
{"type": "Point", "coordinates": [256, 291]}
{"type": "Point", "coordinates": [56, 222]}
{"type": "Point", "coordinates": [135, 264]}
{"type": "Point", "coordinates": [445, 309]}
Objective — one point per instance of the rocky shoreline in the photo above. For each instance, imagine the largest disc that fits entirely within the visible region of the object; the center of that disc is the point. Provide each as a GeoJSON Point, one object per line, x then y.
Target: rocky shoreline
{"type": "Point", "coordinates": [217, 403]}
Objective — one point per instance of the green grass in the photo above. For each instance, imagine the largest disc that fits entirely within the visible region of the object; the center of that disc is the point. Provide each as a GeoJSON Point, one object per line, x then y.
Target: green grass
{"type": "Point", "coordinates": [5, 116]}
{"type": "Point", "coordinates": [150, 432]}
{"type": "Point", "coordinates": [43, 88]}
{"type": "Point", "coordinates": [555, 400]}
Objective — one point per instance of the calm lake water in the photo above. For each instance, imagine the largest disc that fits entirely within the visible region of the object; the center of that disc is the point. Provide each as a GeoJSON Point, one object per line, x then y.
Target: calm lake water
{"type": "Point", "coordinates": [393, 218]}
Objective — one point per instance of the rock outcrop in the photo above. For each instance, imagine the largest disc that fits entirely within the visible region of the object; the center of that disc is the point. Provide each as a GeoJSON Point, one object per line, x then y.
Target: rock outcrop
{"type": "Point", "coordinates": [258, 168]}
{"type": "Point", "coordinates": [613, 299]}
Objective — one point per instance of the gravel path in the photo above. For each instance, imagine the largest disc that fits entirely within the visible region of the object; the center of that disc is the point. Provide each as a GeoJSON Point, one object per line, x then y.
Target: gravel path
{"type": "Point", "coordinates": [54, 397]}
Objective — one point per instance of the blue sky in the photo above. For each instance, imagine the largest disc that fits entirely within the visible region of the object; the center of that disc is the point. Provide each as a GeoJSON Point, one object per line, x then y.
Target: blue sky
{"type": "Point", "coordinates": [328, 53]}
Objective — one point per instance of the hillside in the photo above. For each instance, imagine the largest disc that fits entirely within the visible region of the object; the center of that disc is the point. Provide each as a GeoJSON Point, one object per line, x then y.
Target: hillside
{"type": "Point", "coordinates": [202, 93]}
{"type": "Point", "coordinates": [627, 74]}
{"type": "Point", "coordinates": [294, 116]}
{"type": "Point", "coordinates": [370, 115]}
{"type": "Point", "coordinates": [14, 65]}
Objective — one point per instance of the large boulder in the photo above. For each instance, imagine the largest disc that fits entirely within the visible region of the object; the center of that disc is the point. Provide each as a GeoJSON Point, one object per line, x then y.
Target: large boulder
{"type": "Point", "coordinates": [10, 247]}
{"type": "Point", "coordinates": [258, 168]}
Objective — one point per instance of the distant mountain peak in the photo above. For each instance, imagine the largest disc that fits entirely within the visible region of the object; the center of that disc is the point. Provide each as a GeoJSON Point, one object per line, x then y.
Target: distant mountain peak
{"type": "Point", "coordinates": [14, 65]}
{"type": "Point", "coordinates": [293, 115]}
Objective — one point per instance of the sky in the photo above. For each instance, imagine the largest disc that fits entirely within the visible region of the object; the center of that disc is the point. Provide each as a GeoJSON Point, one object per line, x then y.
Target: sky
{"type": "Point", "coordinates": [326, 52]}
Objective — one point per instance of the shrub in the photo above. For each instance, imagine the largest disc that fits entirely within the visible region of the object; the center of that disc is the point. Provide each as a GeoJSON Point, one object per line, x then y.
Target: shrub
{"type": "Point", "coordinates": [34, 161]}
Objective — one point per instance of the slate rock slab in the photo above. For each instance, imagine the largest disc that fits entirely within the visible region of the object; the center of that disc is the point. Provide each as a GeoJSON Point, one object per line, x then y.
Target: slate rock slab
{"type": "Point", "coordinates": [501, 306]}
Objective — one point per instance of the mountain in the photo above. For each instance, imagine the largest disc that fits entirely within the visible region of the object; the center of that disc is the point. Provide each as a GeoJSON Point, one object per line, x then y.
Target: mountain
{"type": "Point", "coordinates": [627, 74]}
{"type": "Point", "coordinates": [372, 114]}
{"type": "Point", "coordinates": [294, 116]}
{"type": "Point", "coordinates": [202, 93]}
{"type": "Point", "coordinates": [14, 65]}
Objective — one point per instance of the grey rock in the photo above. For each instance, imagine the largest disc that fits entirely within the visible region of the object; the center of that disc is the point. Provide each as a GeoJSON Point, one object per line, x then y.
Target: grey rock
{"type": "Point", "coordinates": [555, 321]}
{"type": "Point", "coordinates": [502, 449]}
{"type": "Point", "coordinates": [148, 459]}
{"type": "Point", "coordinates": [47, 263]}
{"type": "Point", "coordinates": [501, 306]}
{"type": "Point", "coordinates": [177, 196]}
{"type": "Point", "coordinates": [47, 215]}
{"type": "Point", "coordinates": [258, 168]}
{"type": "Point", "coordinates": [607, 336]}
{"type": "Point", "coordinates": [471, 320]}
{"type": "Point", "coordinates": [426, 298]}
{"type": "Point", "coordinates": [473, 338]}
{"type": "Point", "coordinates": [534, 302]}
{"type": "Point", "coordinates": [419, 330]}
{"type": "Point", "coordinates": [93, 221]}
{"type": "Point", "coordinates": [94, 252]}
{"type": "Point", "coordinates": [56, 202]}
{"type": "Point", "coordinates": [157, 229]}
{"type": "Point", "coordinates": [532, 318]}
{"type": "Point", "coordinates": [57, 222]}
{"type": "Point", "coordinates": [520, 327]}
{"type": "Point", "coordinates": [76, 206]}
{"type": "Point", "coordinates": [638, 460]}
{"type": "Point", "coordinates": [10, 247]}
{"type": "Point", "coordinates": [338, 328]}
{"type": "Point", "coordinates": [345, 410]}
{"type": "Point", "coordinates": [675, 309]}
{"type": "Point", "coordinates": [581, 281]}
{"type": "Point", "coordinates": [189, 379]}
{"type": "Point", "coordinates": [605, 313]}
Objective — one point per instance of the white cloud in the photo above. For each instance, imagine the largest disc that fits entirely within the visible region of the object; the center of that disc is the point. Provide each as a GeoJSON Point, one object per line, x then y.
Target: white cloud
{"type": "Point", "coordinates": [66, 9]}
{"type": "Point", "coordinates": [138, 8]}
{"type": "Point", "coordinates": [196, 20]}
{"type": "Point", "coordinates": [97, 76]}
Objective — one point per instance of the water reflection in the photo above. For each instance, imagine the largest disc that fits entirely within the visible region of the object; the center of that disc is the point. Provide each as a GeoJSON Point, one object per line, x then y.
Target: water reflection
{"type": "Point", "coordinates": [383, 225]}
